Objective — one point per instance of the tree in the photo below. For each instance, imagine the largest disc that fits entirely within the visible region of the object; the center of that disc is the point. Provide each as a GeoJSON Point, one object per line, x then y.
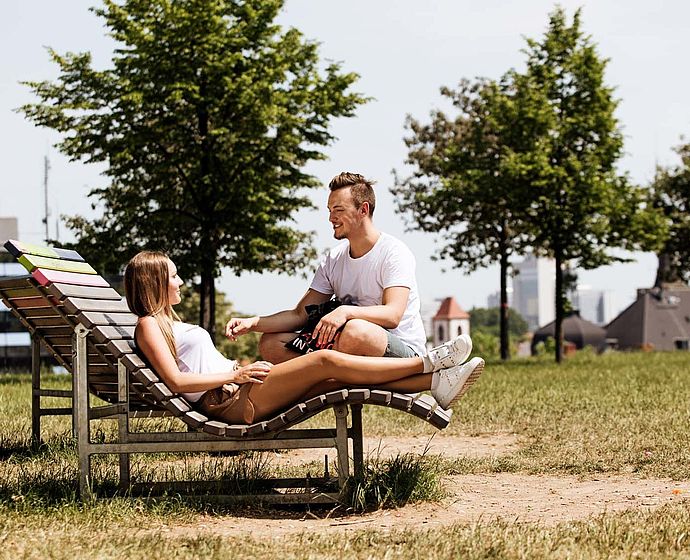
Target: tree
{"type": "Point", "coordinates": [580, 205]}
{"type": "Point", "coordinates": [488, 320]}
{"type": "Point", "coordinates": [670, 193]}
{"type": "Point", "coordinates": [204, 123]}
{"type": "Point", "coordinates": [465, 186]}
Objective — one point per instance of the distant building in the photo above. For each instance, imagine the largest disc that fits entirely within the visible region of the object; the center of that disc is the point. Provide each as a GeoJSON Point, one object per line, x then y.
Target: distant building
{"type": "Point", "coordinates": [450, 321]}
{"type": "Point", "coordinates": [15, 341]}
{"type": "Point", "coordinates": [8, 230]}
{"type": "Point", "coordinates": [576, 330]}
{"type": "Point", "coordinates": [658, 320]}
{"type": "Point", "coordinates": [595, 306]}
{"type": "Point", "coordinates": [494, 300]}
{"type": "Point", "coordinates": [534, 290]}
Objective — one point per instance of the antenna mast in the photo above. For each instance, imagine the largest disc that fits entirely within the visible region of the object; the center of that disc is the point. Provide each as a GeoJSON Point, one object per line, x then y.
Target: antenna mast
{"type": "Point", "coordinates": [46, 168]}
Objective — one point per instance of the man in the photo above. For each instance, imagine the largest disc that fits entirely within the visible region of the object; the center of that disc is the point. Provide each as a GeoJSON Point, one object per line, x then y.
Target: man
{"type": "Point", "coordinates": [372, 270]}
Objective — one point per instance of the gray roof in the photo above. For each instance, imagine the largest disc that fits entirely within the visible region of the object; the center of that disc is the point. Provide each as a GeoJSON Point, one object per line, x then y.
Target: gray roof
{"type": "Point", "coordinates": [659, 319]}
{"type": "Point", "coordinates": [576, 330]}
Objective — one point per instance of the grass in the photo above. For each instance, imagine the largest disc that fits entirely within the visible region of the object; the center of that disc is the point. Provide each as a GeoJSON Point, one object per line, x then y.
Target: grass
{"type": "Point", "coordinates": [616, 414]}
{"type": "Point", "coordinates": [394, 482]}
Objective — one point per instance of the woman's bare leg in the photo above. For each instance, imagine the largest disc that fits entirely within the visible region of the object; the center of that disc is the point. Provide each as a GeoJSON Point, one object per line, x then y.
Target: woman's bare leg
{"type": "Point", "coordinates": [412, 384]}
{"type": "Point", "coordinates": [290, 381]}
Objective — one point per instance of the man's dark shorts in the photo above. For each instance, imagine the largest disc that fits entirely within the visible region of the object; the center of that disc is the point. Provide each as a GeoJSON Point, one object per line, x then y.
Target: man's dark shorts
{"type": "Point", "coordinates": [396, 348]}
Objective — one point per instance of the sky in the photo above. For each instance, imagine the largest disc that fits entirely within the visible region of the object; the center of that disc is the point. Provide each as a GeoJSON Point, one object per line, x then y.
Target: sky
{"type": "Point", "coordinates": [404, 51]}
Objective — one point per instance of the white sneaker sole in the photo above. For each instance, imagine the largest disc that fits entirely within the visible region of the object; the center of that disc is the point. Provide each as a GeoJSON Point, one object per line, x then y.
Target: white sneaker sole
{"type": "Point", "coordinates": [474, 374]}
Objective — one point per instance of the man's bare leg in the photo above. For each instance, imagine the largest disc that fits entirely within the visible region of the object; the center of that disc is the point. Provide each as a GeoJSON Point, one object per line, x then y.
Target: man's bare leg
{"type": "Point", "coordinates": [362, 338]}
{"type": "Point", "coordinates": [272, 347]}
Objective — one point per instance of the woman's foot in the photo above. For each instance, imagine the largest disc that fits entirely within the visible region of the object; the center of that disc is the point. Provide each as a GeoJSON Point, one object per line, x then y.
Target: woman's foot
{"type": "Point", "coordinates": [449, 354]}
{"type": "Point", "coordinates": [448, 385]}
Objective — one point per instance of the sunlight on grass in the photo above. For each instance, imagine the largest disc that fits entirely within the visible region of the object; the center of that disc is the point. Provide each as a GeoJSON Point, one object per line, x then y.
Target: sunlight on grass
{"type": "Point", "coordinates": [617, 414]}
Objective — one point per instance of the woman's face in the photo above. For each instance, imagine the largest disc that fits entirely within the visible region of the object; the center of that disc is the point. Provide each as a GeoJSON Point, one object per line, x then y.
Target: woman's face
{"type": "Point", "coordinates": [174, 283]}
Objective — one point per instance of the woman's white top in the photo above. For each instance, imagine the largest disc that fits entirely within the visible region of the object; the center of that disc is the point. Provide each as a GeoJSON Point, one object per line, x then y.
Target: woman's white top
{"type": "Point", "coordinates": [196, 353]}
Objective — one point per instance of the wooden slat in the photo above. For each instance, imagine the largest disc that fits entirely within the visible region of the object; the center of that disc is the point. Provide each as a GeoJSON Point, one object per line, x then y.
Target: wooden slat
{"type": "Point", "coordinates": [77, 305]}
{"type": "Point", "coordinates": [423, 406]}
{"type": "Point", "coordinates": [18, 248]}
{"type": "Point", "coordinates": [194, 419]}
{"type": "Point", "coordinates": [106, 334]}
{"type": "Point", "coordinates": [32, 262]}
{"type": "Point", "coordinates": [57, 330]}
{"type": "Point", "coordinates": [40, 312]}
{"type": "Point", "coordinates": [62, 291]}
{"type": "Point", "coordinates": [24, 291]}
{"type": "Point", "coordinates": [440, 418]}
{"type": "Point", "coordinates": [401, 402]}
{"type": "Point", "coordinates": [14, 282]}
{"type": "Point", "coordinates": [41, 322]}
{"type": "Point", "coordinates": [46, 276]}
{"type": "Point", "coordinates": [95, 319]}
{"type": "Point", "coordinates": [58, 340]}
{"type": "Point", "coordinates": [119, 348]}
{"type": "Point", "coordinates": [31, 302]}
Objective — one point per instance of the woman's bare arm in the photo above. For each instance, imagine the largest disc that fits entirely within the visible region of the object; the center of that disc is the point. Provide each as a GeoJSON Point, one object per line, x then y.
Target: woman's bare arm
{"type": "Point", "coordinates": [152, 343]}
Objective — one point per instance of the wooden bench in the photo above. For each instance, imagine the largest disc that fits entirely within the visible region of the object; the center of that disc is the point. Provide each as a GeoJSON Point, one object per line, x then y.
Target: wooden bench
{"type": "Point", "coordinates": [86, 325]}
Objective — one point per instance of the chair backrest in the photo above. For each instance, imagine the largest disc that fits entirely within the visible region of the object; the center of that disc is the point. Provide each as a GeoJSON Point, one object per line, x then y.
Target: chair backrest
{"type": "Point", "coordinates": [63, 291]}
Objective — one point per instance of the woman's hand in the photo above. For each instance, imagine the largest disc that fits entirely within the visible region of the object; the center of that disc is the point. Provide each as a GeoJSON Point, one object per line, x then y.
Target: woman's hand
{"type": "Point", "coordinates": [253, 373]}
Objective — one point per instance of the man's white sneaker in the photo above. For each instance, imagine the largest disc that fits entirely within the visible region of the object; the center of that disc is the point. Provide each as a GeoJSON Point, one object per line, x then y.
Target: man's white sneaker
{"type": "Point", "coordinates": [449, 354]}
{"type": "Point", "coordinates": [448, 385]}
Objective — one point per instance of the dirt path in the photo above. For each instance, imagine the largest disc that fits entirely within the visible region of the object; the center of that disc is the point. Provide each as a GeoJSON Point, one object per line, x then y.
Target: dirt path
{"type": "Point", "coordinates": [513, 497]}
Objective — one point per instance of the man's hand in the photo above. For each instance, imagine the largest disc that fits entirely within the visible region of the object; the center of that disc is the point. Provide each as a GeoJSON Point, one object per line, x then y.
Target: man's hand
{"type": "Point", "coordinates": [329, 325]}
{"type": "Point", "coordinates": [237, 326]}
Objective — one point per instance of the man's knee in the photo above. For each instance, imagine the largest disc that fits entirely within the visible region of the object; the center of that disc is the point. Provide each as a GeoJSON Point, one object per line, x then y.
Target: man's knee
{"type": "Point", "coordinates": [363, 338]}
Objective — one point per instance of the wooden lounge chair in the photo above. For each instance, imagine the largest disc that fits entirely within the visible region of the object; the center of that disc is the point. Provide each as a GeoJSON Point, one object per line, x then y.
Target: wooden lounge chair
{"type": "Point", "coordinates": [86, 325]}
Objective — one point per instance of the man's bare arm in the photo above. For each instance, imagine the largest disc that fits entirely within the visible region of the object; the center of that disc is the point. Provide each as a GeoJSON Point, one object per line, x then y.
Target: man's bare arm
{"type": "Point", "coordinates": [284, 321]}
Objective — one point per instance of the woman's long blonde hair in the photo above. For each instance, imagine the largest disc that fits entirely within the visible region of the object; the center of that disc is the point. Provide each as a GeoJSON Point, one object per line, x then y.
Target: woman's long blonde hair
{"type": "Point", "coordinates": [146, 290]}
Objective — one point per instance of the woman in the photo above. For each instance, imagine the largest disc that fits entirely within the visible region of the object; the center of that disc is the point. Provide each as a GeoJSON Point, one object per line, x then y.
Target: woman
{"type": "Point", "coordinates": [185, 358]}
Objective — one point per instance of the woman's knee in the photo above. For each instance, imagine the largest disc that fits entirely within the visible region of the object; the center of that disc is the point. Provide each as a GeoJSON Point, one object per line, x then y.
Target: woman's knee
{"type": "Point", "coordinates": [327, 358]}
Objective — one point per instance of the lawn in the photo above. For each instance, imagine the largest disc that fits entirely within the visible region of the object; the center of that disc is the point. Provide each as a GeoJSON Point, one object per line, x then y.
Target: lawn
{"type": "Point", "coordinates": [617, 414]}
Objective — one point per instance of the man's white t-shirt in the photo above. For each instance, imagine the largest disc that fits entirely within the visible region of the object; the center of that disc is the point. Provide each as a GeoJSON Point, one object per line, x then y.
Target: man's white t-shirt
{"type": "Point", "coordinates": [389, 263]}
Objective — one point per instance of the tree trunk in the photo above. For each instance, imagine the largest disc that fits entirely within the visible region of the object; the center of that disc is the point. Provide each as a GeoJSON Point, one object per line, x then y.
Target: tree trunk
{"type": "Point", "coordinates": [207, 306]}
{"type": "Point", "coordinates": [558, 326]}
{"type": "Point", "coordinates": [503, 311]}
{"type": "Point", "coordinates": [666, 271]}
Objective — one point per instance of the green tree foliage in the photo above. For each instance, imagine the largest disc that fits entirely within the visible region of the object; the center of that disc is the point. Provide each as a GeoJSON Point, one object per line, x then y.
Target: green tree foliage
{"type": "Point", "coordinates": [488, 320]}
{"type": "Point", "coordinates": [485, 344]}
{"type": "Point", "coordinates": [580, 205]}
{"type": "Point", "coordinates": [671, 194]}
{"type": "Point", "coordinates": [204, 123]}
{"type": "Point", "coordinates": [464, 184]}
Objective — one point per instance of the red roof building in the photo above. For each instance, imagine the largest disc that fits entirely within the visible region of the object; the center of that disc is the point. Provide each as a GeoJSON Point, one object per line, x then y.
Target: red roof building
{"type": "Point", "coordinates": [450, 321]}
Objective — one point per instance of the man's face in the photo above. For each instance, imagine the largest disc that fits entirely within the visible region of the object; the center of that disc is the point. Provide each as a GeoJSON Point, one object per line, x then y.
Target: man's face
{"type": "Point", "coordinates": [342, 214]}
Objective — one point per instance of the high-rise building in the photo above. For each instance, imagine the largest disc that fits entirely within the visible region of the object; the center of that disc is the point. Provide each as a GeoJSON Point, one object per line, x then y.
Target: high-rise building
{"type": "Point", "coordinates": [595, 306]}
{"type": "Point", "coordinates": [494, 300]}
{"type": "Point", "coordinates": [534, 290]}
